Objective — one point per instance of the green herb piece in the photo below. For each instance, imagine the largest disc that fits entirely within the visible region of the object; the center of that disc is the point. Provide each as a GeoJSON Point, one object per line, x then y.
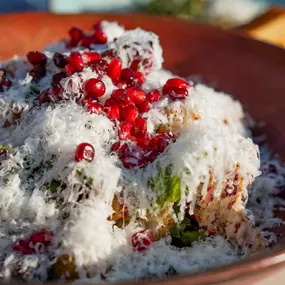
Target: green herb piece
{"type": "Point", "coordinates": [53, 185]}
{"type": "Point", "coordinates": [167, 186]}
{"type": "Point", "coordinates": [2, 147]}
{"type": "Point", "coordinates": [34, 89]}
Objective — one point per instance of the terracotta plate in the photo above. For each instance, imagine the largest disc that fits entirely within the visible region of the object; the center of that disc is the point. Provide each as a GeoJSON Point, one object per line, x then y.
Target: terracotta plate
{"type": "Point", "coordinates": [252, 71]}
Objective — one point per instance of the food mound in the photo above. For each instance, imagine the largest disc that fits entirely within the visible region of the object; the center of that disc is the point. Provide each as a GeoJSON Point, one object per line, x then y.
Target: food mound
{"type": "Point", "coordinates": [112, 168]}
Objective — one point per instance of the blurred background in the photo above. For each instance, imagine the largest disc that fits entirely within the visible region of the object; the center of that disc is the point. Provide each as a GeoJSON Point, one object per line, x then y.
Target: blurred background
{"type": "Point", "coordinates": [224, 13]}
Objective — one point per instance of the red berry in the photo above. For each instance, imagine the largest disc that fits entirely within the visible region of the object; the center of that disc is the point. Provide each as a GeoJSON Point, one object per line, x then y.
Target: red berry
{"type": "Point", "coordinates": [84, 151]}
{"type": "Point", "coordinates": [76, 34]}
{"type": "Point", "coordinates": [89, 56]}
{"type": "Point", "coordinates": [97, 26]}
{"type": "Point", "coordinates": [153, 96]}
{"type": "Point", "coordinates": [174, 83]}
{"type": "Point", "coordinates": [127, 75]}
{"type": "Point", "coordinates": [121, 96]}
{"type": "Point", "coordinates": [100, 36]}
{"type": "Point", "coordinates": [60, 60]}
{"type": "Point", "coordinates": [139, 127]}
{"type": "Point", "coordinates": [140, 77]}
{"type": "Point", "coordinates": [122, 150]}
{"type": "Point", "coordinates": [129, 113]}
{"type": "Point", "coordinates": [124, 131]}
{"type": "Point", "coordinates": [158, 144]}
{"type": "Point", "coordinates": [87, 41]}
{"type": "Point", "coordinates": [113, 112]}
{"type": "Point", "coordinates": [130, 161]}
{"type": "Point", "coordinates": [142, 142]}
{"type": "Point", "coordinates": [76, 61]}
{"type": "Point", "coordinates": [56, 78]}
{"type": "Point", "coordinates": [110, 102]}
{"type": "Point", "coordinates": [144, 107]}
{"type": "Point", "coordinates": [135, 64]}
{"type": "Point", "coordinates": [94, 107]}
{"type": "Point", "coordinates": [110, 53]}
{"type": "Point", "coordinates": [99, 66]}
{"type": "Point", "coordinates": [137, 95]}
{"type": "Point", "coordinates": [70, 69]}
{"type": "Point", "coordinates": [23, 246]}
{"type": "Point", "coordinates": [178, 94]}
{"type": "Point", "coordinates": [36, 58]}
{"type": "Point", "coordinates": [94, 88]}
{"type": "Point", "coordinates": [142, 240]}
{"type": "Point", "coordinates": [44, 96]}
{"type": "Point", "coordinates": [43, 237]}
{"type": "Point", "coordinates": [114, 69]}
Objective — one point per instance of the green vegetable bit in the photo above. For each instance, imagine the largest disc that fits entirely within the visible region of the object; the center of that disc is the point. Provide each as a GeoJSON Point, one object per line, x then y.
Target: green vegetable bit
{"type": "Point", "coordinates": [167, 186]}
{"type": "Point", "coordinates": [34, 89]}
{"type": "Point", "coordinates": [53, 185]}
{"type": "Point", "coordinates": [2, 147]}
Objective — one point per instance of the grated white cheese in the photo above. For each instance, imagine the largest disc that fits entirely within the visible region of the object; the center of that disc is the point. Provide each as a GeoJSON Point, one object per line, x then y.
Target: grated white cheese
{"type": "Point", "coordinates": [212, 139]}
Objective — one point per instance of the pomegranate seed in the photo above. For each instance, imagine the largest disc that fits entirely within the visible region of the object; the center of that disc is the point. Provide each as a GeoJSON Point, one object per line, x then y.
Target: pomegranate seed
{"type": "Point", "coordinates": [56, 78]}
{"type": "Point", "coordinates": [168, 135]}
{"type": "Point", "coordinates": [70, 69]}
{"type": "Point", "coordinates": [84, 151]}
{"type": "Point", "coordinates": [44, 96]}
{"type": "Point", "coordinates": [142, 240]}
{"type": "Point", "coordinates": [174, 83]}
{"type": "Point", "coordinates": [34, 243]}
{"type": "Point", "coordinates": [60, 60]}
{"type": "Point", "coordinates": [136, 94]}
{"type": "Point", "coordinates": [152, 156]}
{"type": "Point", "coordinates": [38, 72]}
{"type": "Point", "coordinates": [110, 53]}
{"type": "Point", "coordinates": [97, 26]}
{"type": "Point", "coordinates": [94, 88]}
{"type": "Point", "coordinates": [113, 112]}
{"type": "Point", "coordinates": [130, 162]}
{"type": "Point", "coordinates": [140, 77]}
{"type": "Point", "coordinates": [6, 82]}
{"type": "Point", "coordinates": [142, 142]}
{"type": "Point", "coordinates": [36, 58]}
{"type": "Point", "coordinates": [114, 69]}
{"type": "Point", "coordinates": [99, 66]}
{"type": "Point", "coordinates": [76, 61]}
{"type": "Point", "coordinates": [144, 107]}
{"type": "Point", "coordinates": [129, 113]}
{"type": "Point", "coordinates": [110, 102]}
{"type": "Point", "coordinates": [139, 127]}
{"type": "Point", "coordinates": [115, 147]}
{"type": "Point", "coordinates": [158, 143]}
{"type": "Point", "coordinates": [121, 96]}
{"type": "Point", "coordinates": [94, 107]}
{"type": "Point", "coordinates": [71, 44]}
{"type": "Point", "coordinates": [122, 150]}
{"type": "Point", "coordinates": [100, 36]}
{"type": "Point", "coordinates": [124, 131]}
{"type": "Point", "coordinates": [178, 94]}
{"type": "Point", "coordinates": [127, 75]}
{"type": "Point", "coordinates": [135, 64]}
{"type": "Point", "coordinates": [23, 246]}
{"type": "Point", "coordinates": [43, 237]}
{"type": "Point", "coordinates": [90, 56]}
{"type": "Point", "coordinates": [76, 34]}
{"type": "Point", "coordinates": [153, 96]}
{"type": "Point", "coordinates": [87, 41]}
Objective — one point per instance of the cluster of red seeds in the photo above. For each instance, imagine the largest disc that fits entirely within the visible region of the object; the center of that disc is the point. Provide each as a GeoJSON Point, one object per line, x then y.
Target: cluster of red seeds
{"type": "Point", "coordinates": [4, 82]}
{"type": "Point", "coordinates": [142, 240]}
{"type": "Point", "coordinates": [79, 38]}
{"type": "Point", "coordinates": [38, 60]}
{"type": "Point", "coordinates": [126, 105]}
{"type": "Point", "coordinates": [36, 243]}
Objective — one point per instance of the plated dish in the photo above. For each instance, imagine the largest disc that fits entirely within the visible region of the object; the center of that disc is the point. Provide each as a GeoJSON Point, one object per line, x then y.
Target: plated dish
{"type": "Point", "coordinates": [115, 169]}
